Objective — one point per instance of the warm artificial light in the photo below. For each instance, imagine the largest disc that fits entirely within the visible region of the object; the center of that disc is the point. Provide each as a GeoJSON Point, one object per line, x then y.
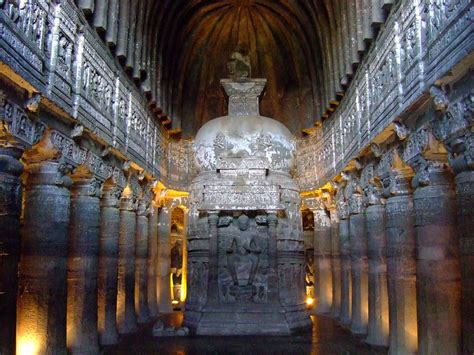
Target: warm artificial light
{"type": "Point", "coordinates": [310, 301]}
{"type": "Point", "coordinates": [27, 347]}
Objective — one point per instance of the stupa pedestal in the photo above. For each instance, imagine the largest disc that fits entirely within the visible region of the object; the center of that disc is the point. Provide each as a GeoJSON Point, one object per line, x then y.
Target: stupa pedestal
{"type": "Point", "coordinates": [245, 244]}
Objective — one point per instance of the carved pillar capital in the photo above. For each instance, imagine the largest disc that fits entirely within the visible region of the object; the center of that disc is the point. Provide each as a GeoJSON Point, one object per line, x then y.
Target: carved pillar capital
{"type": "Point", "coordinates": [10, 154]}
{"type": "Point", "coordinates": [394, 174]}
{"type": "Point", "coordinates": [272, 217]}
{"type": "Point", "coordinates": [427, 156]}
{"type": "Point", "coordinates": [453, 125]}
{"type": "Point", "coordinates": [353, 193]}
{"type": "Point", "coordinates": [342, 205]}
{"type": "Point", "coordinates": [86, 186]}
{"type": "Point", "coordinates": [371, 185]}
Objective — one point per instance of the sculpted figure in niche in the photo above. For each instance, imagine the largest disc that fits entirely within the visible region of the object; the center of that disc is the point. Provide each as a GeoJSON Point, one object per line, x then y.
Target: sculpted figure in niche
{"type": "Point", "coordinates": [239, 63]}
{"type": "Point", "coordinates": [243, 247]}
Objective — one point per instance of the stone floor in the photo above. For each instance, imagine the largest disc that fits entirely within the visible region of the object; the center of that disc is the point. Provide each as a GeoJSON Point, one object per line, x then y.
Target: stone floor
{"type": "Point", "coordinates": [327, 338]}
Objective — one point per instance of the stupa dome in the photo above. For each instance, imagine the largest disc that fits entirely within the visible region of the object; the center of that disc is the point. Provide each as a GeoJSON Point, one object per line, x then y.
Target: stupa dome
{"type": "Point", "coordinates": [244, 139]}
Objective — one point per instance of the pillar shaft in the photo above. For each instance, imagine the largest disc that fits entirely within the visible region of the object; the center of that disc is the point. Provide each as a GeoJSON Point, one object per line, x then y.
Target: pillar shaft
{"type": "Point", "coordinates": [465, 222]}
{"type": "Point", "coordinates": [213, 286]}
{"type": "Point", "coordinates": [335, 265]}
{"type": "Point", "coordinates": [438, 269]}
{"type": "Point", "coordinates": [401, 270]}
{"type": "Point", "coordinates": [83, 249]}
{"type": "Point", "coordinates": [41, 323]}
{"type": "Point", "coordinates": [273, 293]}
{"type": "Point", "coordinates": [346, 287]}
{"type": "Point", "coordinates": [141, 256]}
{"type": "Point", "coordinates": [378, 328]}
{"type": "Point", "coordinates": [359, 273]}
{"type": "Point", "coordinates": [107, 275]}
{"type": "Point", "coordinates": [152, 261]}
{"type": "Point", "coordinates": [164, 249]}
{"type": "Point", "coordinates": [126, 320]}
{"type": "Point", "coordinates": [10, 210]}
{"type": "Point", "coordinates": [322, 261]}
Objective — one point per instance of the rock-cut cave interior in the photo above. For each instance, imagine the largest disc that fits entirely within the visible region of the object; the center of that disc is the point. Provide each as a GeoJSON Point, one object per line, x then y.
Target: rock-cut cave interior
{"type": "Point", "coordinates": [236, 177]}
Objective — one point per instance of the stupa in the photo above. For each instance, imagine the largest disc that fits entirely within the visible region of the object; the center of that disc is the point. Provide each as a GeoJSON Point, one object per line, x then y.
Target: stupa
{"type": "Point", "coordinates": [245, 245]}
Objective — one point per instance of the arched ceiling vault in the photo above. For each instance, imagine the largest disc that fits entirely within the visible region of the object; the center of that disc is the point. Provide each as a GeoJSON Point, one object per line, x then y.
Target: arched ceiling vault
{"type": "Point", "coordinates": [177, 51]}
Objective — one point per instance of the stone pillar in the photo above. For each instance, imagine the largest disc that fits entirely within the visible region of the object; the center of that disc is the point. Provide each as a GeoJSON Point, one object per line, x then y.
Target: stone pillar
{"type": "Point", "coordinates": [10, 211]}
{"type": "Point", "coordinates": [107, 275]}
{"type": "Point", "coordinates": [126, 320]}
{"type": "Point", "coordinates": [41, 315]}
{"type": "Point", "coordinates": [359, 264]}
{"type": "Point", "coordinates": [335, 264]}
{"type": "Point", "coordinates": [213, 285]}
{"type": "Point", "coordinates": [152, 260]}
{"type": "Point", "coordinates": [273, 293]}
{"type": "Point", "coordinates": [401, 265]}
{"type": "Point", "coordinates": [164, 249]}
{"type": "Point", "coordinates": [465, 223]}
{"type": "Point", "coordinates": [83, 250]}
{"type": "Point", "coordinates": [452, 124]}
{"type": "Point", "coordinates": [141, 256]}
{"type": "Point", "coordinates": [322, 260]}
{"type": "Point", "coordinates": [437, 263]}
{"type": "Point", "coordinates": [378, 327]}
{"type": "Point", "coordinates": [345, 252]}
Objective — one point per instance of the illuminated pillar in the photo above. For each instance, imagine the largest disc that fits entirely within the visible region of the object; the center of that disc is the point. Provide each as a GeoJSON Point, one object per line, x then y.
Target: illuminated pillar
{"type": "Point", "coordinates": [401, 265]}
{"type": "Point", "coordinates": [83, 249]}
{"type": "Point", "coordinates": [322, 260]}
{"type": "Point", "coordinates": [141, 256]}
{"type": "Point", "coordinates": [41, 316]}
{"type": "Point", "coordinates": [359, 265]}
{"type": "Point", "coordinates": [345, 252]}
{"type": "Point", "coordinates": [184, 278]}
{"type": "Point", "coordinates": [164, 249]}
{"type": "Point", "coordinates": [152, 262]}
{"type": "Point", "coordinates": [437, 265]}
{"type": "Point", "coordinates": [10, 210]}
{"type": "Point", "coordinates": [378, 328]}
{"type": "Point", "coordinates": [126, 320]}
{"type": "Point", "coordinates": [452, 125]}
{"type": "Point", "coordinates": [335, 264]}
{"type": "Point", "coordinates": [107, 275]}
{"type": "Point", "coordinates": [438, 275]}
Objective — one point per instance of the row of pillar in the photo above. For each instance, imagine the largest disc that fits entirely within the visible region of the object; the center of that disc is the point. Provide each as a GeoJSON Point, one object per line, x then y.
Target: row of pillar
{"type": "Point", "coordinates": [396, 230]}
{"type": "Point", "coordinates": [88, 264]}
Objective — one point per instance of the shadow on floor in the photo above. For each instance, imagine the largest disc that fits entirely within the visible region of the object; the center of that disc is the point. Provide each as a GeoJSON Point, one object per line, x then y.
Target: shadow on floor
{"type": "Point", "coordinates": [326, 338]}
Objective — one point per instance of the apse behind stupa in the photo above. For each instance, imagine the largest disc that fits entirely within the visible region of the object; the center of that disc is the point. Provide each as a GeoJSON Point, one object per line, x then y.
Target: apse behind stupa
{"type": "Point", "coordinates": [208, 32]}
{"type": "Point", "coordinates": [245, 244]}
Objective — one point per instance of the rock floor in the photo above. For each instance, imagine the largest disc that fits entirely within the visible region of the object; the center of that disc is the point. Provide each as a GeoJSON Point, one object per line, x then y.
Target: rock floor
{"type": "Point", "coordinates": [326, 338]}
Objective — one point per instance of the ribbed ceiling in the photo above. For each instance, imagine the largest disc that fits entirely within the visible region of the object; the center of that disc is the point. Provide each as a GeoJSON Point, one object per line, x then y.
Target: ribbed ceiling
{"type": "Point", "coordinates": [198, 38]}
{"type": "Point", "coordinates": [177, 51]}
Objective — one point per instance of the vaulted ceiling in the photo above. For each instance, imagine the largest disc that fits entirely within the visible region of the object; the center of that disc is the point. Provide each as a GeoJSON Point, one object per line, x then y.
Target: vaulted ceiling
{"type": "Point", "coordinates": [177, 51]}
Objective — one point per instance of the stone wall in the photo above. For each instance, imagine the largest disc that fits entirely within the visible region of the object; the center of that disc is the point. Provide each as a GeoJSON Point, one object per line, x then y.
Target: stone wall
{"type": "Point", "coordinates": [420, 43]}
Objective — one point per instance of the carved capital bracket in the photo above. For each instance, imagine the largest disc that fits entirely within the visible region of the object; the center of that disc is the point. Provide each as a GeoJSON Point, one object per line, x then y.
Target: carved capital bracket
{"type": "Point", "coordinates": [342, 204]}
{"type": "Point", "coordinates": [453, 125]}
{"type": "Point", "coordinates": [18, 126]}
{"type": "Point", "coordinates": [353, 192]}
{"type": "Point", "coordinates": [393, 173]}
{"type": "Point", "coordinates": [426, 155]}
{"type": "Point", "coordinates": [371, 185]}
